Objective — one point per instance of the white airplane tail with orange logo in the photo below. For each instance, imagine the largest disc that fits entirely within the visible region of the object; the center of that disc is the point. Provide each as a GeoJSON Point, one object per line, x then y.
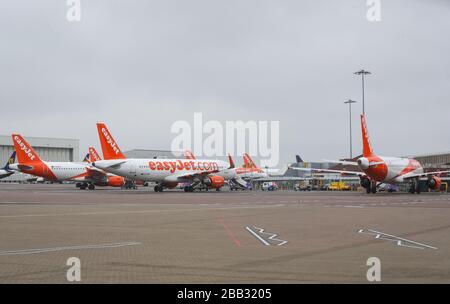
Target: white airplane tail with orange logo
{"type": "Point", "coordinates": [24, 152]}
{"type": "Point", "coordinates": [110, 148]}
{"type": "Point", "coordinates": [367, 147]}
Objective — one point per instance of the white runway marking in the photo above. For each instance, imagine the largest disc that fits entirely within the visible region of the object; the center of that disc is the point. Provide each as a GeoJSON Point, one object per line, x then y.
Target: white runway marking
{"type": "Point", "coordinates": [398, 240]}
{"type": "Point", "coordinates": [257, 236]}
{"type": "Point", "coordinates": [137, 211]}
{"type": "Point", "coordinates": [271, 238]}
{"type": "Point", "coordinates": [54, 249]}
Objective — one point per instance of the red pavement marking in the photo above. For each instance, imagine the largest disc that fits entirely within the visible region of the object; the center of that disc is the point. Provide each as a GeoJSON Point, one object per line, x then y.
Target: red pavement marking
{"type": "Point", "coordinates": [230, 233]}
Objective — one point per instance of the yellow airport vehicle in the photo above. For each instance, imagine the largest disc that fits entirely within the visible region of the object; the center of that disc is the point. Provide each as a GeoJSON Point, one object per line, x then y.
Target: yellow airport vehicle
{"type": "Point", "coordinates": [339, 186]}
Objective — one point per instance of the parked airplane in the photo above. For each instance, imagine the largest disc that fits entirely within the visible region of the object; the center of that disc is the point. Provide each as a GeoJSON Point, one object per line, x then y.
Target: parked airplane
{"type": "Point", "coordinates": [167, 173]}
{"type": "Point", "coordinates": [248, 172]}
{"type": "Point", "coordinates": [6, 171]}
{"type": "Point", "coordinates": [29, 162]}
{"type": "Point", "coordinates": [238, 176]}
{"type": "Point", "coordinates": [389, 170]}
{"type": "Point", "coordinates": [103, 179]}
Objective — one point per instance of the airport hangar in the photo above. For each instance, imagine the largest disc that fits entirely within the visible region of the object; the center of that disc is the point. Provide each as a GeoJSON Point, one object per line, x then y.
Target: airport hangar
{"type": "Point", "coordinates": [49, 149]}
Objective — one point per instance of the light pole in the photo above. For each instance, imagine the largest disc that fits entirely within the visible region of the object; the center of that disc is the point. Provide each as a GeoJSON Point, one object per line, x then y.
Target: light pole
{"type": "Point", "coordinates": [349, 102]}
{"type": "Point", "coordinates": [362, 73]}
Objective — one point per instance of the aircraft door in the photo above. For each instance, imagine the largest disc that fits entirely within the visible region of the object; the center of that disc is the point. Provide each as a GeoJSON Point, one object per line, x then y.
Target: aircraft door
{"type": "Point", "coordinates": [132, 168]}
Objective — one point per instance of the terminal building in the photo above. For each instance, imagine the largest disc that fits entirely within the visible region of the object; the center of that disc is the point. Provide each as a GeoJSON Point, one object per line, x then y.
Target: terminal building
{"type": "Point", "coordinates": [438, 160]}
{"type": "Point", "coordinates": [49, 149]}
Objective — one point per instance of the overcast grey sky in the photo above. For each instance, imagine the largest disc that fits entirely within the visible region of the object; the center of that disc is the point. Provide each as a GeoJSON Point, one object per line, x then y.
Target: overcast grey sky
{"type": "Point", "coordinates": [140, 65]}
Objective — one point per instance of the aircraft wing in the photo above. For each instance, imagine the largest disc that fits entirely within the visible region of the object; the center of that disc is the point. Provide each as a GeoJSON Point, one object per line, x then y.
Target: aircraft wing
{"type": "Point", "coordinates": [240, 182]}
{"type": "Point", "coordinates": [115, 164]}
{"type": "Point", "coordinates": [425, 174]}
{"type": "Point", "coordinates": [95, 174]}
{"type": "Point", "coordinates": [343, 162]}
{"type": "Point", "coordinates": [330, 171]}
{"type": "Point", "coordinates": [5, 173]}
{"type": "Point", "coordinates": [281, 179]}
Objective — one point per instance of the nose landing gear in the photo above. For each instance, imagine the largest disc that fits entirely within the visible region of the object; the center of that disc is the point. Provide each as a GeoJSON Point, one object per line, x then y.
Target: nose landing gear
{"type": "Point", "coordinates": [188, 189]}
{"type": "Point", "coordinates": [371, 187]}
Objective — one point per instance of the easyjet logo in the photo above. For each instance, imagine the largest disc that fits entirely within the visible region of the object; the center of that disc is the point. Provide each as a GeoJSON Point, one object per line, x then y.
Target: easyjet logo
{"type": "Point", "coordinates": [179, 165]}
{"type": "Point", "coordinates": [110, 141]}
{"type": "Point", "coordinates": [94, 155]}
{"type": "Point", "coordinates": [27, 150]}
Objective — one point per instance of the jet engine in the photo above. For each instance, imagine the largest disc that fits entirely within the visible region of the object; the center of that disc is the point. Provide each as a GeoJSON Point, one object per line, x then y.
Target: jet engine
{"type": "Point", "coordinates": [214, 181]}
{"type": "Point", "coordinates": [116, 181]}
{"type": "Point", "coordinates": [363, 163]}
{"type": "Point", "coordinates": [434, 183]}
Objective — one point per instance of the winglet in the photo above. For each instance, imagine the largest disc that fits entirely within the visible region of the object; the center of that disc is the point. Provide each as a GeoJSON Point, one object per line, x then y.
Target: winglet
{"type": "Point", "coordinates": [110, 148]}
{"type": "Point", "coordinates": [367, 147]}
{"type": "Point", "coordinates": [25, 153]}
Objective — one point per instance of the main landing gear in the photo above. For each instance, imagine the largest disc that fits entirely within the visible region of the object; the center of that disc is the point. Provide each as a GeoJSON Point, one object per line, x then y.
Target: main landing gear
{"type": "Point", "coordinates": [188, 189]}
{"type": "Point", "coordinates": [371, 187]}
{"type": "Point", "coordinates": [158, 188]}
{"type": "Point", "coordinates": [129, 184]}
{"type": "Point", "coordinates": [414, 186]}
{"type": "Point", "coordinates": [84, 186]}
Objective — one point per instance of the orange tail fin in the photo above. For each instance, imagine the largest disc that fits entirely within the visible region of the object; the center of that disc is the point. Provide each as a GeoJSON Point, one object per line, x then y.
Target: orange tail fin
{"type": "Point", "coordinates": [188, 154]}
{"type": "Point", "coordinates": [231, 161]}
{"type": "Point", "coordinates": [367, 147]}
{"type": "Point", "coordinates": [248, 162]}
{"type": "Point", "coordinates": [110, 148]}
{"type": "Point", "coordinates": [93, 155]}
{"type": "Point", "coordinates": [24, 152]}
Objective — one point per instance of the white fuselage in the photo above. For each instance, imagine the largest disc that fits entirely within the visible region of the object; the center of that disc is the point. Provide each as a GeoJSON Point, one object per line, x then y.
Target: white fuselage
{"type": "Point", "coordinates": [161, 170]}
{"type": "Point", "coordinates": [67, 170]}
{"type": "Point", "coordinates": [389, 169]}
{"type": "Point", "coordinates": [243, 173]}
{"type": "Point", "coordinates": [56, 171]}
